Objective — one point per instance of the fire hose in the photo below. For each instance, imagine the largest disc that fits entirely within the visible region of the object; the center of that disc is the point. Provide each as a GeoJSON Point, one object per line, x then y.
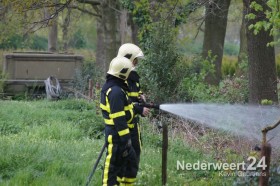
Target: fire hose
{"type": "Point", "coordinates": [53, 89]}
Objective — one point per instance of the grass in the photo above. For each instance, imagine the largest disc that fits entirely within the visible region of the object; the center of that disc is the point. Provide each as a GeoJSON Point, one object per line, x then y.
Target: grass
{"type": "Point", "coordinates": [47, 143]}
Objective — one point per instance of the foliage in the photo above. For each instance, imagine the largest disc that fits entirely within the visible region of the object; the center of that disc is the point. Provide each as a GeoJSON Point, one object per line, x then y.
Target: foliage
{"type": "Point", "coordinates": [232, 89]}
{"type": "Point", "coordinates": [193, 86]}
{"type": "Point", "coordinates": [271, 24]}
{"type": "Point", "coordinates": [82, 76]}
{"type": "Point", "coordinates": [37, 42]}
{"type": "Point", "coordinates": [231, 49]}
{"type": "Point", "coordinates": [3, 76]}
{"type": "Point", "coordinates": [229, 66]}
{"type": "Point", "coordinates": [158, 40]}
{"type": "Point", "coordinates": [278, 65]}
{"type": "Point", "coordinates": [158, 69]}
{"type": "Point", "coordinates": [17, 41]}
{"type": "Point", "coordinates": [143, 18]}
{"type": "Point", "coordinates": [78, 40]}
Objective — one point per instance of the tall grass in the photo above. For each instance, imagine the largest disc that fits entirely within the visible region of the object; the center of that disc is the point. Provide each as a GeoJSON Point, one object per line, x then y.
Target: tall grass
{"type": "Point", "coordinates": [47, 143]}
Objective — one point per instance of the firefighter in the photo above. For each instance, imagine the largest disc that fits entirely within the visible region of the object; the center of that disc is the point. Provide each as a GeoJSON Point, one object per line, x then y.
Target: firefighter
{"type": "Point", "coordinates": [133, 52]}
{"type": "Point", "coordinates": [117, 112]}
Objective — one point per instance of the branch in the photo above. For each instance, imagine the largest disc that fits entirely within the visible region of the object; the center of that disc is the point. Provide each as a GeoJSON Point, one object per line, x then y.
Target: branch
{"type": "Point", "coordinates": [37, 6]}
{"type": "Point", "coordinates": [84, 10]}
{"type": "Point", "coordinates": [91, 2]}
{"type": "Point", "coordinates": [199, 28]}
{"type": "Point", "coordinates": [268, 128]}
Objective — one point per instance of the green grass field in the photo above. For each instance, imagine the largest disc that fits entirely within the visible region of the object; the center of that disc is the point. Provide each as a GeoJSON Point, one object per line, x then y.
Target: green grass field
{"type": "Point", "coordinates": [56, 143]}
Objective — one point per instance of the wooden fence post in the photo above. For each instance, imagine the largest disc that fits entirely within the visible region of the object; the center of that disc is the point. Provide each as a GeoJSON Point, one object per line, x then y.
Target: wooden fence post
{"type": "Point", "coordinates": [164, 152]}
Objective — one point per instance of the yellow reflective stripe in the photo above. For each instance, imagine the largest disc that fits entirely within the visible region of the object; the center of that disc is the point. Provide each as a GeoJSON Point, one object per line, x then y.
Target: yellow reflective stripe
{"type": "Point", "coordinates": [131, 113]}
{"type": "Point", "coordinates": [126, 184]}
{"type": "Point", "coordinates": [129, 180]}
{"type": "Point", "coordinates": [123, 132]}
{"type": "Point", "coordinates": [108, 91]}
{"type": "Point", "coordinates": [105, 107]}
{"type": "Point", "coordinates": [133, 94]}
{"type": "Point", "coordinates": [131, 126]}
{"type": "Point", "coordinates": [137, 84]}
{"type": "Point", "coordinates": [117, 114]}
{"type": "Point", "coordinates": [109, 121]}
{"type": "Point", "coordinates": [139, 137]}
{"type": "Point", "coordinates": [129, 107]}
{"type": "Point", "coordinates": [108, 159]}
{"type": "Point", "coordinates": [119, 179]}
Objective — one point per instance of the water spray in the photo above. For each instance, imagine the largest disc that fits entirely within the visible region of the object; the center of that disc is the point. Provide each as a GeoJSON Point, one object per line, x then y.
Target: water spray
{"type": "Point", "coordinates": [241, 120]}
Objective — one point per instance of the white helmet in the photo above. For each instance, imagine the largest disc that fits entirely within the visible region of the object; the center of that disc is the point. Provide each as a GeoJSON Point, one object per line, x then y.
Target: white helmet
{"type": "Point", "coordinates": [130, 51]}
{"type": "Point", "coordinates": [120, 67]}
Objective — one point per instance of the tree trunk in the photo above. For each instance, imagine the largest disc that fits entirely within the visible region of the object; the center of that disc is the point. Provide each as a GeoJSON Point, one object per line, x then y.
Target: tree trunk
{"type": "Point", "coordinates": [108, 34]}
{"type": "Point", "coordinates": [243, 38]}
{"type": "Point", "coordinates": [134, 29]}
{"type": "Point", "coordinates": [123, 26]}
{"type": "Point", "coordinates": [52, 39]}
{"type": "Point", "coordinates": [65, 27]}
{"type": "Point", "coordinates": [215, 30]}
{"type": "Point", "coordinates": [262, 67]}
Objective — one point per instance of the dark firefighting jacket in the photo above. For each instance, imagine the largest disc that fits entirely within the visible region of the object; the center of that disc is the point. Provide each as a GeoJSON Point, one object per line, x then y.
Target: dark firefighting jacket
{"type": "Point", "coordinates": [117, 110]}
{"type": "Point", "coordinates": [134, 90]}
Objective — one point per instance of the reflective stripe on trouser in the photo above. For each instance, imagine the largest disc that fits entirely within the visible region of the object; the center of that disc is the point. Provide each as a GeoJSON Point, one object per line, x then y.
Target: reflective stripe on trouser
{"type": "Point", "coordinates": [115, 164]}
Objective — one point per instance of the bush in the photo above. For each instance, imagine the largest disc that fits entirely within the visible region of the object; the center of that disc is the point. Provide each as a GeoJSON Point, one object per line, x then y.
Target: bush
{"type": "Point", "coordinates": [158, 70]}
{"type": "Point", "coordinates": [193, 87]}
{"type": "Point", "coordinates": [78, 40]}
{"type": "Point", "coordinates": [234, 90]}
{"type": "Point", "coordinates": [231, 49]}
{"type": "Point", "coordinates": [2, 78]}
{"type": "Point", "coordinates": [38, 43]}
{"type": "Point", "coordinates": [16, 41]}
{"type": "Point", "coordinates": [229, 66]}
{"type": "Point", "coordinates": [278, 65]}
{"type": "Point", "coordinates": [12, 42]}
{"type": "Point", "coordinates": [82, 76]}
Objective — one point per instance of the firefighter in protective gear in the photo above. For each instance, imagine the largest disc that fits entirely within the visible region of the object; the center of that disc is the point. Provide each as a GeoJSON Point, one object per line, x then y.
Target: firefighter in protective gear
{"type": "Point", "coordinates": [133, 52]}
{"type": "Point", "coordinates": [117, 112]}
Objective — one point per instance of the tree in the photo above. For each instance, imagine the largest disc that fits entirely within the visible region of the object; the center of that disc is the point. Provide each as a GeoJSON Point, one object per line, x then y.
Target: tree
{"type": "Point", "coordinates": [106, 11]}
{"type": "Point", "coordinates": [53, 31]}
{"type": "Point", "coordinates": [108, 33]}
{"type": "Point", "coordinates": [216, 13]}
{"type": "Point", "coordinates": [243, 39]}
{"type": "Point", "coordinates": [262, 68]}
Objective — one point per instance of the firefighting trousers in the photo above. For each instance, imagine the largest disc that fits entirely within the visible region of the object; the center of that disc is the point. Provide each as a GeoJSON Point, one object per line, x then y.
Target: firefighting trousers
{"type": "Point", "coordinates": [118, 170]}
{"type": "Point", "coordinates": [136, 141]}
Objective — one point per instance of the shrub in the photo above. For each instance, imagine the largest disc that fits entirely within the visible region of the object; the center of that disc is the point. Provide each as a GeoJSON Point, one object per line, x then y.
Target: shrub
{"type": "Point", "coordinates": [231, 49]}
{"type": "Point", "coordinates": [158, 69]}
{"type": "Point", "coordinates": [234, 90]}
{"type": "Point", "coordinates": [3, 76]}
{"type": "Point", "coordinates": [193, 87]}
{"type": "Point", "coordinates": [78, 40]}
{"type": "Point", "coordinates": [82, 76]}
{"type": "Point", "coordinates": [278, 65]}
{"type": "Point", "coordinates": [229, 66]}
{"type": "Point", "coordinates": [38, 43]}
